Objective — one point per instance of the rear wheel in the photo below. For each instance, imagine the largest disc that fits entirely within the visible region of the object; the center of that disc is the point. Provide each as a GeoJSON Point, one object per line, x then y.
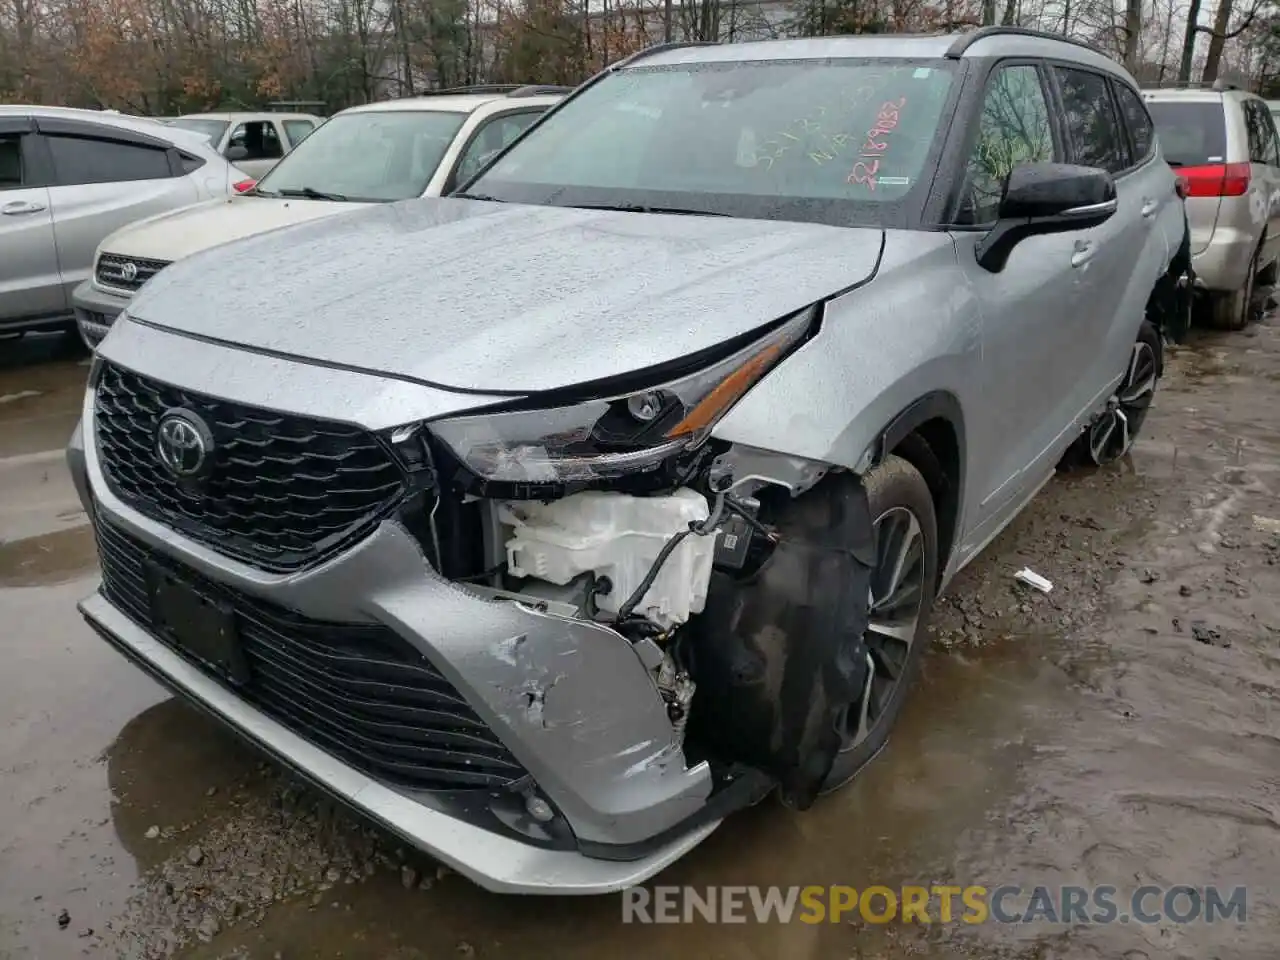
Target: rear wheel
{"type": "Point", "coordinates": [901, 595]}
{"type": "Point", "coordinates": [1236, 310]}
{"type": "Point", "coordinates": [1112, 434]}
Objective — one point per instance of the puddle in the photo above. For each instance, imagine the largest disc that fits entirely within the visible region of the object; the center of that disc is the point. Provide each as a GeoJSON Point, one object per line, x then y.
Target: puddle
{"type": "Point", "coordinates": [48, 559]}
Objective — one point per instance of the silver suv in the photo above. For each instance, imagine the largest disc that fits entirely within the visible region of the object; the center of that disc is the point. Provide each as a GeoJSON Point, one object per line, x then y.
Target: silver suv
{"type": "Point", "coordinates": [1223, 144]}
{"type": "Point", "coordinates": [551, 522]}
{"type": "Point", "coordinates": [70, 177]}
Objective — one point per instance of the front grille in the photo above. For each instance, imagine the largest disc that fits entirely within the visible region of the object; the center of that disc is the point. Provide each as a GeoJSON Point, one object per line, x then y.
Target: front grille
{"type": "Point", "coordinates": [126, 273]}
{"type": "Point", "coordinates": [281, 492]}
{"type": "Point", "coordinates": [357, 690]}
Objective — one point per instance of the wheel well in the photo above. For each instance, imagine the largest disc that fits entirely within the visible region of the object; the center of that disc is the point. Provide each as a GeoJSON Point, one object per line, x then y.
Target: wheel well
{"type": "Point", "coordinates": [933, 448]}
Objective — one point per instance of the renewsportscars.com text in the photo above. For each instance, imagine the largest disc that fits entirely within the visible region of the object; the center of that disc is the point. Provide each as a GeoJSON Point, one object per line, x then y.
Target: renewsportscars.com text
{"type": "Point", "coordinates": [934, 904]}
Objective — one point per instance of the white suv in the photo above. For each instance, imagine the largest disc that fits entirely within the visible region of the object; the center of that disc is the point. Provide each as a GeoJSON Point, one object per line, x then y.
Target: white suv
{"type": "Point", "coordinates": [421, 146]}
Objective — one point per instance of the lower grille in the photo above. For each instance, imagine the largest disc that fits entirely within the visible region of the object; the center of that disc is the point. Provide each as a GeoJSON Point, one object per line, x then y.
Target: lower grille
{"type": "Point", "coordinates": [357, 690]}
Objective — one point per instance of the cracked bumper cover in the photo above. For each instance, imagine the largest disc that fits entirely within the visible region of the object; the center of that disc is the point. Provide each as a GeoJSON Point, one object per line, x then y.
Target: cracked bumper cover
{"type": "Point", "coordinates": [599, 745]}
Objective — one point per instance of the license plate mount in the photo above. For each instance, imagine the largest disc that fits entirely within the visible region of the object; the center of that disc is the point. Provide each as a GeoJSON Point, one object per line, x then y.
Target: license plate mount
{"type": "Point", "coordinates": [198, 624]}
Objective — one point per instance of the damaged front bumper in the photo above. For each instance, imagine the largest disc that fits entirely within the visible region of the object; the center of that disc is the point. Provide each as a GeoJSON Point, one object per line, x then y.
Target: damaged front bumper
{"type": "Point", "coordinates": [599, 794]}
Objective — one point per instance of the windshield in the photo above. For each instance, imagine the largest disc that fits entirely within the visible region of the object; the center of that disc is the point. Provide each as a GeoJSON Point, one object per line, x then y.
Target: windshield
{"type": "Point", "coordinates": [831, 141]}
{"type": "Point", "coordinates": [213, 129]}
{"type": "Point", "coordinates": [1191, 133]}
{"type": "Point", "coordinates": [367, 156]}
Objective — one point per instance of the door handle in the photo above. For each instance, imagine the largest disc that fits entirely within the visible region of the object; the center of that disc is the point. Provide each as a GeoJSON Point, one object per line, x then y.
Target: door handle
{"type": "Point", "coordinates": [1083, 253]}
{"type": "Point", "coordinates": [1149, 207]}
{"type": "Point", "coordinates": [19, 207]}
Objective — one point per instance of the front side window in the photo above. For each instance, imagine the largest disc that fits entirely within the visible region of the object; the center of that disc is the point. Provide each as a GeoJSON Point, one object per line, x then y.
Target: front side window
{"type": "Point", "coordinates": [1137, 120]}
{"type": "Point", "coordinates": [10, 161]}
{"type": "Point", "coordinates": [259, 138]}
{"type": "Point", "coordinates": [1091, 120]}
{"type": "Point", "coordinates": [495, 134]}
{"type": "Point", "coordinates": [298, 130]}
{"type": "Point", "coordinates": [370, 155]}
{"type": "Point", "coordinates": [1014, 129]}
{"type": "Point", "coordinates": [834, 141]}
{"type": "Point", "coordinates": [78, 160]}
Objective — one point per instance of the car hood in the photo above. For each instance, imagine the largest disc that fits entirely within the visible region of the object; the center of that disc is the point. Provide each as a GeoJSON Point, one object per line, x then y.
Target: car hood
{"type": "Point", "coordinates": [176, 234]}
{"type": "Point", "coordinates": [493, 297]}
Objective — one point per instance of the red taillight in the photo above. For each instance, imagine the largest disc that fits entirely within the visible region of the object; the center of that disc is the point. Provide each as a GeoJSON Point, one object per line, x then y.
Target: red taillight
{"type": "Point", "coordinates": [1216, 180]}
{"type": "Point", "coordinates": [244, 186]}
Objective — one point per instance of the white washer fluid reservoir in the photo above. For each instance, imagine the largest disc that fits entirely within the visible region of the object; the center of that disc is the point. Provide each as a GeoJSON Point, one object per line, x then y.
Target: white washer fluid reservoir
{"type": "Point", "coordinates": [618, 536]}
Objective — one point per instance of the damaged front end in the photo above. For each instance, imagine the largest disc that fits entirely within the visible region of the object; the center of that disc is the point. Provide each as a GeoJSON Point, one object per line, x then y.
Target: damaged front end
{"type": "Point", "coordinates": [739, 577]}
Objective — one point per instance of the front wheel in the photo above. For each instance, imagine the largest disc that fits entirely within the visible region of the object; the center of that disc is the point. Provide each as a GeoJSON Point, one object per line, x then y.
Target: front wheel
{"type": "Point", "coordinates": [901, 595]}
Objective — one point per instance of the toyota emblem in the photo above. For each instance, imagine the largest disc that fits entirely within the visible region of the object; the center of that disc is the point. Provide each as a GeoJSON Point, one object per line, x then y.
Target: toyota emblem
{"type": "Point", "coordinates": [128, 272]}
{"type": "Point", "coordinates": [183, 443]}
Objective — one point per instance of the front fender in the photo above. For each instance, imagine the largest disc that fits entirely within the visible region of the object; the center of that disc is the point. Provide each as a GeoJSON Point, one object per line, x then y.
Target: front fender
{"type": "Point", "coordinates": [913, 331]}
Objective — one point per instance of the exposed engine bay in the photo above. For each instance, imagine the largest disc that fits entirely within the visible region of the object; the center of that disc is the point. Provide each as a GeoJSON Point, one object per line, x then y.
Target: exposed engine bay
{"type": "Point", "coordinates": [732, 574]}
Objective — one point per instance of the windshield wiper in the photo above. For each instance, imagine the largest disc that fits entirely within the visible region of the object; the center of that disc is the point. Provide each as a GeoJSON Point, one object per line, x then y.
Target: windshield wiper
{"type": "Point", "coordinates": [646, 208]}
{"type": "Point", "coordinates": [310, 193]}
{"type": "Point", "coordinates": [477, 196]}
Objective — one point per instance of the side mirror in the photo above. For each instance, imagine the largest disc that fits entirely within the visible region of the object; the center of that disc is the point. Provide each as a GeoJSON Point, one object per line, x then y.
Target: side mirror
{"type": "Point", "coordinates": [237, 153]}
{"type": "Point", "coordinates": [1042, 198]}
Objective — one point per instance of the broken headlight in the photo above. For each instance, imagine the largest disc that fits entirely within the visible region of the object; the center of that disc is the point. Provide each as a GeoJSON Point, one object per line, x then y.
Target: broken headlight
{"type": "Point", "coordinates": [599, 439]}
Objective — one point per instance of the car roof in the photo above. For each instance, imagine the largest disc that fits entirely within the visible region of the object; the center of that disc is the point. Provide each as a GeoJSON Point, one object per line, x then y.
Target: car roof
{"type": "Point", "coordinates": [451, 103]}
{"type": "Point", "coordinates": [994, 41]}
{"type": "Point", "coordinates": [247, 115]}
{"type": "Point", "coordinates": [143, 125]}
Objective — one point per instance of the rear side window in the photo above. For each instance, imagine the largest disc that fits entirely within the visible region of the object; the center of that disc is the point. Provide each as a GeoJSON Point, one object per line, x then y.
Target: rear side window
{"type": "Point", "coordinates": [1092, 121]}
{"type": "Point", "coordinates": [1191, 133]}
{"type": "Point", "coordinates": [1262, 136]}
{"type": "Point", "coordinates": [1136, 119]}
{"type": "Point", "coordinates": [79, 160]}
{"type": "Point", "coordinates": [191, 163]}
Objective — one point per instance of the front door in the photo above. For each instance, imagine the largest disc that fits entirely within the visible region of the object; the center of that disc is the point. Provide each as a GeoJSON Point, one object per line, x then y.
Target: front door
{"type": "Point", "coordinates": [1031, 352]}
{"type": "Point", "coordinates": [30, 281]}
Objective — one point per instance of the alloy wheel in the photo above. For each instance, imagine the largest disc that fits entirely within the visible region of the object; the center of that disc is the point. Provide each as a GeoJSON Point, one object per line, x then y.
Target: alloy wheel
{"type": "Point", "coordinates": [896, 604]}
{"type": "Point", "coordinates": [1113, 433]}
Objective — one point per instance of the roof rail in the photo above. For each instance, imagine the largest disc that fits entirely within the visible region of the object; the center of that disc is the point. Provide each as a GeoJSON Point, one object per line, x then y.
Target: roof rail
{"type": "Point", "coordinates": [659, 48]}
{"type": "Point", "coordinates": [1190, 85]}
{"type": "Point", "coordinates": [539, 90]}
{"type": "Point", "coordinates": [966, 40]}
{"type": "Point", "coordinates": [473, 88]}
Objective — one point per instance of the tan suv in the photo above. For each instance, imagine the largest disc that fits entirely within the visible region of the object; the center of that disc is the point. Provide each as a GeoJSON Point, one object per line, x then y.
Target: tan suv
{"type": "Point", "coordinates": [1223, 144]}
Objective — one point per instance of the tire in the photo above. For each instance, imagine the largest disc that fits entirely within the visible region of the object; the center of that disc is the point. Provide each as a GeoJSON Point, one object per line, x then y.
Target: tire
{"type": "Point", "coordinates": [1235, 310]}
{"type": "Point", "coordinates": [895, 490]}
{"type": "Point", "coordinates": [1097, 447]}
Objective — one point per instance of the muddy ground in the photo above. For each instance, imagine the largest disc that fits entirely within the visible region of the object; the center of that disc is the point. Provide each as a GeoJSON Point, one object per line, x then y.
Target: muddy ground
{"type": "Point", "coordinates": [1121, 730]}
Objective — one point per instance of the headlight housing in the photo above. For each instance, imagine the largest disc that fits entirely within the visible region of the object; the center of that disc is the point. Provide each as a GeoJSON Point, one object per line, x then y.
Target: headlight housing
{"type": "Point", "coordinates": [629, 433]}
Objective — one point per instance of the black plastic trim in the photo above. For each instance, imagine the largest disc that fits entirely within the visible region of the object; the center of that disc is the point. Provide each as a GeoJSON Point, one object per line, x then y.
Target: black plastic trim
{"type": "Point", "coordinates": [57, 126]}
{"type": "Point", "coordinates": [937, 404]}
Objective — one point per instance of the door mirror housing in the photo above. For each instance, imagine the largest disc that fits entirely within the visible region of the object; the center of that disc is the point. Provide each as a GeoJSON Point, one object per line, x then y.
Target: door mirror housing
{"type": "Point", "coordinates": [237, 153]}
{"type": "Point", "coordinates": [1042, 198]}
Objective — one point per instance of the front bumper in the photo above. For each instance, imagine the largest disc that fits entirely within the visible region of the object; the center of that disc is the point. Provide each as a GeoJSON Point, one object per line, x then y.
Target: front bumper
{"type": "Point", "coordinates": [96, 310]}
{"type": "Point", "coordinates": [599, 746]}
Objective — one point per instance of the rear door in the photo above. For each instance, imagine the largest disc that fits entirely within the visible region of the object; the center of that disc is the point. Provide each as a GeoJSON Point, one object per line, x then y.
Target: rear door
{"type": "Point", "coordinates": [1193, 138]}
{"type": "Point", "coordinates": [1264, 174]}
{"type": "Point", "coordinates": [104, 178]}
{"type": "Point", "coordinates": [30, 285]}
{"type": "Point", "coordinates": [1109, 260]}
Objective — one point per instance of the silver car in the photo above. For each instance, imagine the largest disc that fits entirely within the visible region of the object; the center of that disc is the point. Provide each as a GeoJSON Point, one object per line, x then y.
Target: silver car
{"type": "Point", "coordinates": [1223, 144]}
{"type": "Point", "coordinates": [70, 177]}
{"type": "Point", "coordinates": [552, 522]}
